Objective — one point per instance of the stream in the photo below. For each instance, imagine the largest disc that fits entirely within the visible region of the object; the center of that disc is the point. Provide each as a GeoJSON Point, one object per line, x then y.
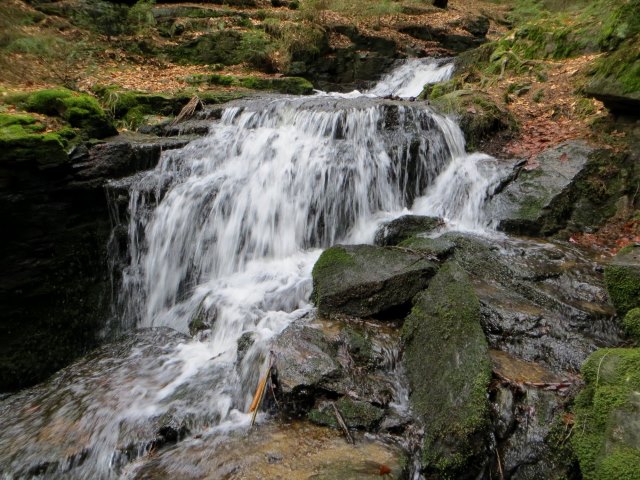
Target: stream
{"type": "Point", "coordinates": [222, 237]}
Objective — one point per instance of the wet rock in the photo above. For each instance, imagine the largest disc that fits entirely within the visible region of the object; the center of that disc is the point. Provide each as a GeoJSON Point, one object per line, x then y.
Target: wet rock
{"type": "Point", "coordinates": [368, 281]}
{"type": "Point", "coordinates": [89, 408]}
{"type": "Point", "coordinates": [306, 360]}
{"type": "Point", "coordinates": [203, 319]}
{"type": "Point", "coordinates": [528, 422]}
{"type": "Point", "coordinates": [447, 363]}
{"type": "Point", "coordinates": [606, 435]}
{"type": "Point", "coordinates": [356, 414]}
{"type": "Point", "coordinates": [313, 365]}
{"type": "Point", "coordinates": [400, 229]}
{"type": "Point", "coordinates": [538, 200]}
{"type": "Point", "coordinates": [479, 116]}
{"type": "Point", "coordinates": [119, 157]}
{"type": "Point", "coordinates": [622, 276]}
{"type": "Point", "coordinates": [245, 342]}
{"type": "Point", "coordinates": [540, 302]}
{"type": "Point", "coordinates": [290, 450]}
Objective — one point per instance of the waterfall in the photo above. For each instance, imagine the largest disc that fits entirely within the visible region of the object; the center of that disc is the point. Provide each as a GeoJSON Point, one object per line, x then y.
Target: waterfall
{"type": "Point", "coordinates": [226, 230]}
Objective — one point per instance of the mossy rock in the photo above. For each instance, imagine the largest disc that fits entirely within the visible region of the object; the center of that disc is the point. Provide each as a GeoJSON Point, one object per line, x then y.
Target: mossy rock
{"type": "Point", "coordinates": [20, 140]}
{"type": "Point", "coordinates": [606, 435]}
{"type": "Point", "coordinates": [289, 85]}
{"type": "Point", "coordinates": [622, 277]}
{"type": "Point", "coordinates": [448, 366]}
{"type": "Point", "coordinates": [478, 114]}
{"type": "Point", "coordinates": [80, 110]}
{"type": "Point", "coordinates": [368, 281]}
{"type": "Point", "coordinates": [134, 107]}
{"type": "Point", "coordinates": [356, 414]}
{"type": "Point", "coordinates": [631, 324]}
{"type": "Point", "coordinates": [616, 80]}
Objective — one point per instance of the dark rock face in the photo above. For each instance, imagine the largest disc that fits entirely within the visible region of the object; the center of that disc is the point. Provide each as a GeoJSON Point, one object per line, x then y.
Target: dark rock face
{"type": "Point", "coordinates": [401, 229]}
{"type": "Point", "coordinates": [367, 281]}
{"type": "Point", "coordinates": [315, 368]}
{"type": "Point", "coordinates": [540, 303]}
{"type": "Point", "coordinates": [535, 202]}
{"type": "Point", "coordinates": [55, 290]}
{"type": "Point", "coordinates": [564, 189]}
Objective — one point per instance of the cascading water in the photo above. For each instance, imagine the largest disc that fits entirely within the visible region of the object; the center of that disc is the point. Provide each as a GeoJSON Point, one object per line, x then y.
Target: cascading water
{"type": "Point", "coordinates": [225, 231]}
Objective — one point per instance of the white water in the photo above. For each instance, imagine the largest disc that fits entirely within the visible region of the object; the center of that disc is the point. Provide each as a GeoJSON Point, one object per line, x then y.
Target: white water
{"type": "Point", "coordinates": [231, 225]}
{"type": "Point", "coordinates": [408, 80]}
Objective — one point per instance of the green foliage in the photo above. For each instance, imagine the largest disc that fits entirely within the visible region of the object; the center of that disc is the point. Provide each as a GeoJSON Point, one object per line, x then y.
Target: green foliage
{"type": "Point", "coordinates": [295, 41]}
{"type": "Point", "coordinates": [140, 17]}
{"type": "Point", "coordinates": [313, 10]}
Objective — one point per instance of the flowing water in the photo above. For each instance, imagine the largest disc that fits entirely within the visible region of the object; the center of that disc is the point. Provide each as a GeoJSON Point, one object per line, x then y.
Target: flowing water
{"type": "Point", "coordinates": [226, 231]}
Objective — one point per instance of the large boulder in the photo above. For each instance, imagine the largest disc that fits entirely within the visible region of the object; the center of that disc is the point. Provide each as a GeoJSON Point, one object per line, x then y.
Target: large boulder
{"type": "Point", "coordinates": [368, 281]}
{"type": "Point", "coordinates": [622, 276]}
{"type": "Point", "coordinates": [538, 200]}
{"type": "Point", "coordinates": [542, 303]}
{"type": "Point", "coordinates": [314, 365]}
{"type": "Point", "coordinates": [606, 435]}
{"type": "Point", "coordinates": [447, 362]}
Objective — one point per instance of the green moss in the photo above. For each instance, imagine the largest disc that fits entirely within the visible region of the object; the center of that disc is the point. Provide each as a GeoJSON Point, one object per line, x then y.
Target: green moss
{"type": "Point", "coordinates": [360, 348]}
{"type": "Point", "coordinates": [16, 119]}
{"type": "Point", "coordinates": [331, 260]}
{"type": "Point", "coordinates": [621, 69]}
{"type": "Point", "coordinates": [621, 464]}
{"type": "Point", "coordinates": [449, 371]}
{"type": "Point", "coordinates": [606, 435]}
{"type": "Point", "coordinates": [18, 142]}
{"type": "Point", "coordinates": [289, 85]}
{"type": "Point", "coordinates": [81, 111]}
{"type": "Point", "coordinates": [623, 286]}
{"type": "Point", "coordinates": [631, 323]}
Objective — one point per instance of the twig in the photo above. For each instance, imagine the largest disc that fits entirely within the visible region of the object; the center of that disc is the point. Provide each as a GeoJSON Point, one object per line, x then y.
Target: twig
{"type": "Point", "coordinates": [188, 110]}
{"type": "Point", "coordinates": [342, 424]}
{"type": "Point", "coordinates": [499, 464]}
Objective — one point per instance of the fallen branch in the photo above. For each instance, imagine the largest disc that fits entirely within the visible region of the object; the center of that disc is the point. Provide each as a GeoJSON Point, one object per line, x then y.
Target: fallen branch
{"type": "Point", "coordinates": [342, 424]}
{"type": "Point", "coordinates": [188, 110]}
{"type": "Point", "coordinates": [258, 397]}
